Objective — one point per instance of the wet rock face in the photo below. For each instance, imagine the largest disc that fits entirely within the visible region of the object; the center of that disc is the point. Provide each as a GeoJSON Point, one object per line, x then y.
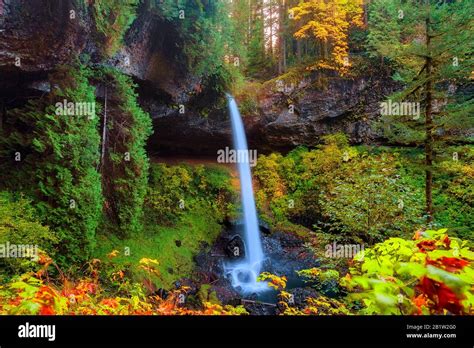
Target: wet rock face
{"type": "Point", "coordinates": [153, 54]}
{"type": "Point", "coordinates": [189, 133]}
{"type": "Point", "coordinates": [38, 36]}
{"type": "Point", "coordinates": [35, 37]}
{"type": "Point", "coordinates": [337, 105]}
{"type": "Point", "coordinates": [235, 247]}
{"type": "Point", "coordinates": [286, 254]}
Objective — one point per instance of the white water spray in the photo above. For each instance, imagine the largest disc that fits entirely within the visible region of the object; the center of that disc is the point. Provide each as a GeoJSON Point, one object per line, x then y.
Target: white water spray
{"type": "Point", "coordinates": [244, 274]}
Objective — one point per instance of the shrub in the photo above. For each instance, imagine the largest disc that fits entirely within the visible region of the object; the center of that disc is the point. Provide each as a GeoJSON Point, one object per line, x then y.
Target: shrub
{"type": "Point", "coordinates": [431, 274]}
{"type": "Point", "coordinates": [20, 226]}
{"type": "Point", "coordinates": [337, 189]}
{"type": "Point", "coordinates": [174, 190]}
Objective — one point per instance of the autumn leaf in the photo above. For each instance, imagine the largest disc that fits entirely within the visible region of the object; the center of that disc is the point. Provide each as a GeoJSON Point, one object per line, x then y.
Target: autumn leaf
{"type": "Point", "coordinates": [112, 254]}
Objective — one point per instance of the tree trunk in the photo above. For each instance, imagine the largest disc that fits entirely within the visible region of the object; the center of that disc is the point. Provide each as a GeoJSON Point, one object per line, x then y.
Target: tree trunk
{"type": "Point", "coordinates": [3, 112]}
{"type": "Point", "coordinates": [281, 38]}
{"type": "Point", "coordinates": [298, 50]}
{"type": "Point", "coordinates": [249, 23]}
{"type": "Point", "coordinates": [429, 129]}
{"type": "Point", "coordinates": [366, 12]}
{"type": "Point", "coordinates": [262, 13]}
{"type": "Point", "coordinates": [271, 29]}
{"type": "Point", "coordinates": [104, 129]}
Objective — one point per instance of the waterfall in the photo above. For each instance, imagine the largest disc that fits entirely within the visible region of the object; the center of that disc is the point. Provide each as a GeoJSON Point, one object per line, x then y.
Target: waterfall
{"type": "Point", "coordinates": [244, 274]}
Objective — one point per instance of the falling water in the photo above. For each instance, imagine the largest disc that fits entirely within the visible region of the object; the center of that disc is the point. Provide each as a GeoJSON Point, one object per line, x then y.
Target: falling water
{"type": "Point", "coordinates": [244, 274]}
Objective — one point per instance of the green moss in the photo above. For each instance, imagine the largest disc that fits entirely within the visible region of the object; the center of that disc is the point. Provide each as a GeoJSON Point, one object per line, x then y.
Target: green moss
{"type": "Point", "coordinates": [292, 77]}
{"type": "Point", "coordinates": [161, 243]}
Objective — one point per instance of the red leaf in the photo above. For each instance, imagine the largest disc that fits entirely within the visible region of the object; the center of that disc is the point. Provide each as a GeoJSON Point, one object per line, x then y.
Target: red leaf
{"type": "Point", "coordinates": [441, 295]}
{"type": "Point", "coordinates": [450, 264]}
{"type": "Point", "coordinates": [426, 245]}
{"type": "Point", "coordinates": [46, 310]}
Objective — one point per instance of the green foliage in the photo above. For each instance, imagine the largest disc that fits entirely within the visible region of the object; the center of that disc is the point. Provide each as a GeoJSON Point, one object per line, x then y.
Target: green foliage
{"type": "Point", "coordinates": [176, 190]}
{"type": "Point", "coordinates": [184, 208]}
{"type": "Point", "coordinates": [430, 52]}
{"type": "Point", "coordinates": [452, 194]}
{"type": "Point", "coordinates": [59, 155]}
{"type": "Point", "coordinates": [112, 19]}
{"type": "Point", "coordinates": [325, 281]}
{"type": "Point", "coordinates": [257, 62]}
{"type": "Point", "coordinates": [361, 193]}
{"type": "Point", "coordinates": [125, 168]}
{"type": "Point", "coordinates": [166, 191]}
{"type": "Point", "coordinates": [19, 225]}
{"type": "Point", "coordinates": [432, 274]}
{"type": "Point", "coordinates": [337, 189]}
{"type": "Point", "coordinates": [371, 202]}
{"type": "Point", "coordinates": [205, 29]}
{"type": "Point", "coordinates": [175, 246]}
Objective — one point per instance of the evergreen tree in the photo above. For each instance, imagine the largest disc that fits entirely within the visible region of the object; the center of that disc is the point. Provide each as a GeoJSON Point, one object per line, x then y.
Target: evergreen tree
{"type": "Point", "coordinates": [430, 46]}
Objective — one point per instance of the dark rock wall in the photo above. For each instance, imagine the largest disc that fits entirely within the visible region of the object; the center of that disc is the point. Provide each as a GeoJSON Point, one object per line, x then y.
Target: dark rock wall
{"type": "Point", "coordinates": [346, 105]}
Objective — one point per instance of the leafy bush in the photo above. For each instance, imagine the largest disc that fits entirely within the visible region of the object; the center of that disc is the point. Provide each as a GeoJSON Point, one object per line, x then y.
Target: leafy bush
{"type": "Point", "coordinates": [372, 202]}
{"type": "Point", "coordinates": [184, 209]}
{"type": "Point", "coordinates": [286, 305]}
{"type": "Point", "coordinates": [20, 226]}
{"type": "Point", "coordinates": [337, 189]}
{"type": "Point", "coordinates": [432, 274]}
{"type": "Point", "coordinates": [325, 281]}
{"type": "Point", "coordinates": [454, 194]}
{"type": "Point", "coordinates": [174, 190]}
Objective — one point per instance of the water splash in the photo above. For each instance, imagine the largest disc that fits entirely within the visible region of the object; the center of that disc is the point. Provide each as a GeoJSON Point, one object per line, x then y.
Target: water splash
{"type": "Point", "coordinates": [244, 274]}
